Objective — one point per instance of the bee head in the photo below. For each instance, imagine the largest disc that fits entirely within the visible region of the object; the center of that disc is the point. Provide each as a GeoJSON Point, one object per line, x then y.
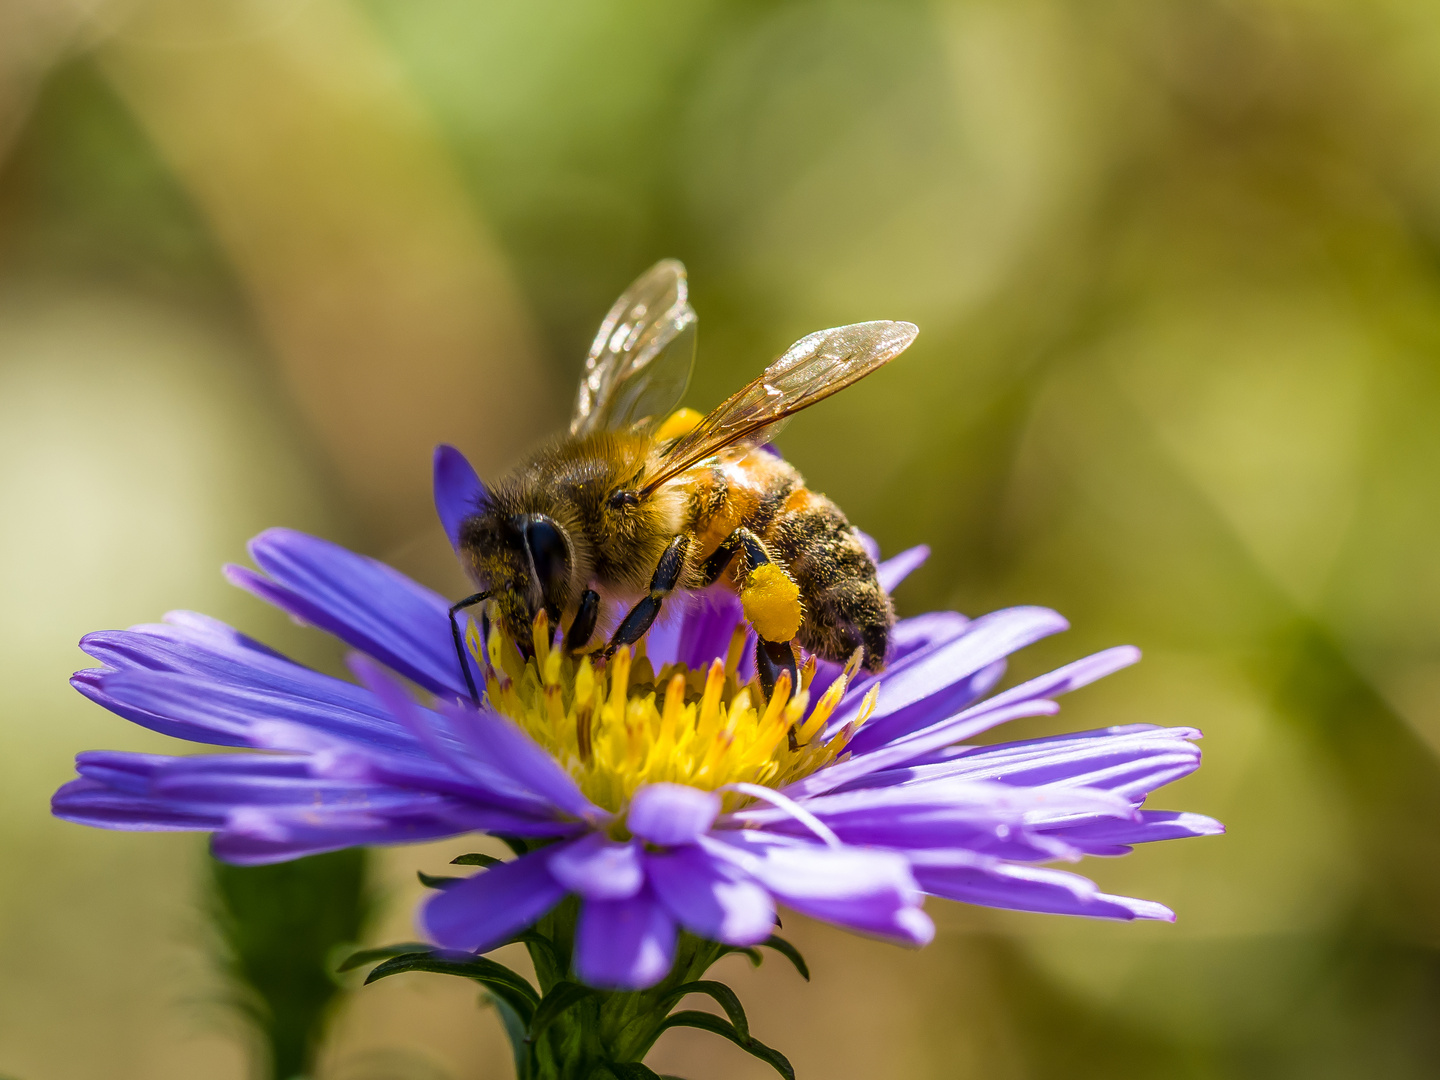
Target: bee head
{"type": "Point", "coordinates": [526, 560]}
{"type": "Point", "coordinates": [547, 547]}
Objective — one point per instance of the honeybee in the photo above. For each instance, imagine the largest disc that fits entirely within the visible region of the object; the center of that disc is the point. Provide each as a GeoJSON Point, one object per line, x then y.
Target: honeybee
{"type": "Point", "coordinates": [636, 500]}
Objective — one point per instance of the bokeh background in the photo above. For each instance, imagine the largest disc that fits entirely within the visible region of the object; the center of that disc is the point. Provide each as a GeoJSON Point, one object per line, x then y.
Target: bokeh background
{"type": "Point", "coordinates": [1177, 269]}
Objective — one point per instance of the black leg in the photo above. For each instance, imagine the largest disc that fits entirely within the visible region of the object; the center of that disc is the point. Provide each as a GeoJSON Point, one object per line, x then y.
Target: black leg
{"type": "Point", "coordinates": [771, 658]}
{"type": "Point", "coordinates": [469, 601]}
{"type": "Point", "coordinates": [666, 576]}
{"type": "Point", "coordinates": [742, 539]}
{"type": "Point", "coordinates": [585, 620]}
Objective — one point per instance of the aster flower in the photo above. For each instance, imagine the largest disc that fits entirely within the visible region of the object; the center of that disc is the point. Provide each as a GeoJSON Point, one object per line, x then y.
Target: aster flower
{"type": "Point", "coordinates": [660, 807]}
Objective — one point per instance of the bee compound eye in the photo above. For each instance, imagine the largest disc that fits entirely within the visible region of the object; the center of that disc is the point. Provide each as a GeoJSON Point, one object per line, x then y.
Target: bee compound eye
{"type": "Point", "coordinates": [548, 554]}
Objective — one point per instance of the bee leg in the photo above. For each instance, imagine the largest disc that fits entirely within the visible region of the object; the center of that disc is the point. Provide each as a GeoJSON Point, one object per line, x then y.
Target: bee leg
{"type": "Point", "coordinates": [469, 601]}
{"type": "Point", "coordinates": [667, 574]}
{"type": "Point", "coordinates": [768, 593]}
{"type": "Point", "coordinates": [585, 620]}
{"type": "Point", "coordinates": [771, 658]}
{"type": "Point", "coordinates": [742, 539]}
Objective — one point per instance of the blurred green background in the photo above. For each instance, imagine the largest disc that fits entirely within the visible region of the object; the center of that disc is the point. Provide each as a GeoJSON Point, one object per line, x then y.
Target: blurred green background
{"type": "Point", "coordinates": [1177, 269]}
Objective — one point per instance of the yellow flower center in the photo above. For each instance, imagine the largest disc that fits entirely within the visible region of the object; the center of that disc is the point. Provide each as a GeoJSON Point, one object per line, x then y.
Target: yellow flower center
{"type": "Point", "coordinates": [617, 725]}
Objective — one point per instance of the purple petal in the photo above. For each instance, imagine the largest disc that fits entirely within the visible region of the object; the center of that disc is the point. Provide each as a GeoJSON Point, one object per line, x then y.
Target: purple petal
{"type": "Point", "coordinates": [1132, 761]}
{"type": "Point", "coordinates": [988, 639]}
{"type": "Point", "coordinates": [122, 769]}
{"type": "Point", "coordinates": [662, 641]}
{"type": "Point", "coordinates": [893, 571]}
{"type": "Point", "coordinates": [258, 780]}
{"type": "Point", "coordinates": [598, 868]}
{"type": "Point", "coordinates": [923, 631]}
{"type": "Point", "coordinates": [208, 651]}
{"type": "Point", "coordinates": [487, 782]}
{"type": "Point", "coordinates": [91, 684]}
{"type": "Point", "coordinates": [1072, 676]}
{"type": "Point", "coordinates": [1115, 837]}
{"type": "Point", "coordinates": [624, 944]}
{"type": "Point", "coordinates": [919, 747]}
{"type": "Point", "coordinates": [488, 909]}
{"type": "Point", "coordinates": [879, 730]}
{"type": "Point", "coordinates": [988, 817]}
{"type": "Point", "coordinates": [992, 883]}
{"type": "Point", "coordinates": [669, 814]}
{"type": "Point", "coordinates": [263, 808]}
{"type": "Point", "coordinates": [907, 637]}
{"type": "Point", "coordinates": [91, 802]}
{"type": "Point", "coordinates": [711, 898]}
{"type": "Point", "coordinates": [497, 742]}
{"type": "Point", "coordinates": [977, 800]}
{"type": "Point", "coordinates": [914, 747]}
{"type": "Point", "coordinates": [458, 490]}
{"type": "Point", "coordinates": [864, 889]}
{"type": "Point", "coordinates": [707, 628]}
{"type": "Point", "coordinates": [253, 837]}
{"type": "Point", "coordinates": [364, 603]}
{"type": "Point", "coordinates": [233, 710]}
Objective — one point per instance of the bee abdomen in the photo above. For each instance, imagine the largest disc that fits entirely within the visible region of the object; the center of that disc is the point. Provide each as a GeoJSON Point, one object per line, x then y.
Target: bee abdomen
{"type": "Point", "coordinates": [845, 607]}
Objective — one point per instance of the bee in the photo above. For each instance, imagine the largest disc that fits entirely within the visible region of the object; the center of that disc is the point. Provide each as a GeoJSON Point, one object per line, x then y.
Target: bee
{"type": "Point", "coordinates": [636, 500]}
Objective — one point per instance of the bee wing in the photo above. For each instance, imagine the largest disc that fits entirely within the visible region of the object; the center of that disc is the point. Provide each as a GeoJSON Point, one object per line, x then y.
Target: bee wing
{"type": "Point", "coordinates": [812, 369]}
{"type": "Point", "coordinates": [637, 370]}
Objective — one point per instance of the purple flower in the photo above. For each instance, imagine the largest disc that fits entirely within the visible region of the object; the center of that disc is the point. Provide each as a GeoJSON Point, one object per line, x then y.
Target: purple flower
{"type": "Point", "coordinates": [662, 790]}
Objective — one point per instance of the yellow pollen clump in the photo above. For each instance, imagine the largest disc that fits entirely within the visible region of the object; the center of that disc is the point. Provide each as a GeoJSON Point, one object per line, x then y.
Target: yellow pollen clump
{"type": "Point", "coordinates": [771, 600]}
{"type": "Point", "coordinates": [618, 725]}
{"type": "Point", "coordinates": [680, 422]}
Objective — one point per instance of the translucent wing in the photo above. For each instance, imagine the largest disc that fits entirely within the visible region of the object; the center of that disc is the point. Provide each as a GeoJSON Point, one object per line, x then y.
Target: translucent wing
{"type": "Point", "coordinates": [639, 365]}
{"type": "Point", "coordinates": [812, 369]}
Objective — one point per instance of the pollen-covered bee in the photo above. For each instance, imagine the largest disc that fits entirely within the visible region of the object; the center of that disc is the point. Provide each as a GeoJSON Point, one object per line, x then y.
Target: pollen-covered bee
{"type": "Point", "coordinates": [636, 501]}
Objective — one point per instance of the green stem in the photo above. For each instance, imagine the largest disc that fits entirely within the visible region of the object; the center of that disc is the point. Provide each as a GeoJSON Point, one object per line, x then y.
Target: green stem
{"type": "Point", "coordinates": [602, 1027]}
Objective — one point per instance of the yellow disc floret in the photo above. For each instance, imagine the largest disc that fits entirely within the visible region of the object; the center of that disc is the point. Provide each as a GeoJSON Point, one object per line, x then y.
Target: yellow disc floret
{"type": "Point", "coordinates": [772, 602]}
{"type": "Point", "coordinates": [618, 725]}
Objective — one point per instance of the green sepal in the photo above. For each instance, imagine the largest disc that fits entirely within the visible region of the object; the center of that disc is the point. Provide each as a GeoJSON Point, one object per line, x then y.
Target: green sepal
{"type": "Point", "coordinates": [751, 1045]}
{"type": "Point", "coordinates": [561, 997]}
{"type": "Point", "coordinates": [384, 952]}
{"type": "Point", "coordinates": [475, 859]}
{"type": "Point", "coordinates": [724, 997]}
{"type": "Point", "coordinates": [438, 881]}
{"type": "Point", "coordinates": [785, 949]}
{"type": "Point", "coordinates": [514, 989]}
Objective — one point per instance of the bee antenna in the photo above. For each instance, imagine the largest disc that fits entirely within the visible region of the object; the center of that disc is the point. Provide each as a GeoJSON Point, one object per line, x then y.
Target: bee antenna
{"type": "Point", "coordinates": [469, 601]}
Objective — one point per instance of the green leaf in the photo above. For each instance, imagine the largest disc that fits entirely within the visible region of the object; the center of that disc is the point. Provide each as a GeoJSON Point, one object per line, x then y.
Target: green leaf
{"type": "Point", "coordinates": [475, 859]}
{"type": "Point", "coordinates": [384, 952]}
{"type": "Point", "coordinates": [517, 844]}
{"type": "Point", "coordinates": [756, 959]}
{"type": "Point", "coordinates": [751, 1045]}
{"type": "Point", "coordinates": [497, 978]}
{"type": "Point", "coordinates": [780, 945]}
{"type": "Point", "coordinates": [561, 997]}
{"type": "Point", "coordinates": [632, 1070]}
{"type": "Point", "coordinates": [627, 1070]}
{"type": "Point", "coordinates": [722, 994]}
{"type": "Point", "coordinates": [515, 1029]}
{"type": "Point", "coordinates": [437, 881]}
